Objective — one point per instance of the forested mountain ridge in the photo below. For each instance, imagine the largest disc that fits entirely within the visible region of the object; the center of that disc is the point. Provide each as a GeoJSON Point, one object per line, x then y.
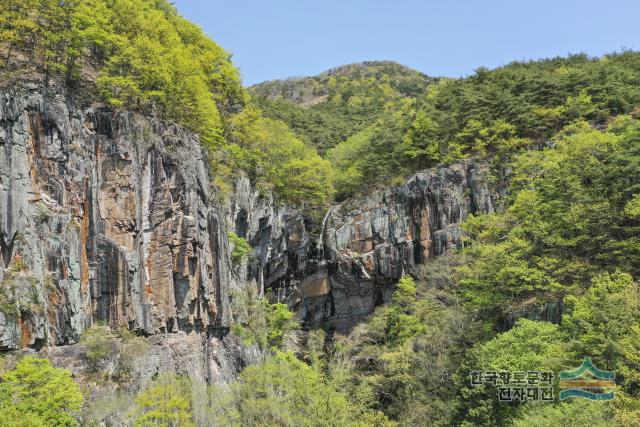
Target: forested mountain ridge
{"type": "Point", "coordinates": [172, 252]}
{"type": "Point", "coordinates": [329, 108]}
{"type": "Point", "coordinates": [310, 91]}
{"type": "Point", "coordinates": [492, 113]}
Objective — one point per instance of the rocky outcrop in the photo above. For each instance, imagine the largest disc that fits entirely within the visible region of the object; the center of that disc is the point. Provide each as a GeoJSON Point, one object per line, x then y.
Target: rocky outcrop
{"type": "Point", "coordinates": [108, 216]}
{"type": "Point", "coordinates": [370, 242]}
{"type": "Point", "coordinates": [104, 217]}
{"type": "Point", "coordinates": [339, 274]}
{"type": "Point", "coordinates": [283, 249]}
{"type": "Point", "coordinates": [214, 360]}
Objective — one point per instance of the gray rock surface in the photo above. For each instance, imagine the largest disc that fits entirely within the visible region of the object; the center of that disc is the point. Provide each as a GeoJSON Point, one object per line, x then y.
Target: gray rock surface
{"type": "Point", "coordinates": [104, 217]}
{"type": "Point", "coordinates": [110, 217]}
{"type": "Point", "coordinates": [338, 275]}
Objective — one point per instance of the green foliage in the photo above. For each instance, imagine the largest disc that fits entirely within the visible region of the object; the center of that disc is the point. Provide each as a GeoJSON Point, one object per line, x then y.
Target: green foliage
{"type": "Point", "coordinates": [166, 401]}
{"type": "Point", "coordinates": [265, 325]}
{"type": "Point", "coordinates": [603, 323]}
{"type": "Point", "coordinates": [495, 113]}
{"type": "Point", "coordinates": [406, 353]}
{"type": "Point", "coordinates": [241, 247]}
{"type": "Point", "coordinates": [280, 162]}
{"type": "Point", "coordinates": [37, 394]}
{"type": "Point", "coordinates": [565, 222]}
{"type": "Point", "coordinates": [147, 55]}
{"type": "Point", "coordinates": [155, 58]}
{"type": "Point", "coordinates": [529, 346]}
{"type": "Point", "coordinates": [100, 345]}
{"type": "Point", "coordinates": [402, 323]}
{"type": "Point", "coordinates": [112, 354]}
{"type": "Point", "coordinates": [632, 208]}
{"type": "Point", "coordinates": [576, 413]}
{"type": "Point", "coordinates": [284, 391]}
{"type": "Point", "coordinates": [336, 105]}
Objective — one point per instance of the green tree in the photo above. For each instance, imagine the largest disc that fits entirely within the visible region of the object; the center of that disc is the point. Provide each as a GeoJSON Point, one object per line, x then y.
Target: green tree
{"type": "Point", "coordinates": [529, 346]}
{"type": "Point", "coordinates": [576, 413]}
{"type": "Point", "coordinates": [566, 204]}
{"type": "Point", "coordinates": [264, 324]}
{"type": "Point", "coordinates": [166, 401]}
{"type": "Point", "coordinates": [35, 393]}
{"type": "Point", "coordinates": [602, 322]}
{"type": "Point", "coordinates": [287, 392]}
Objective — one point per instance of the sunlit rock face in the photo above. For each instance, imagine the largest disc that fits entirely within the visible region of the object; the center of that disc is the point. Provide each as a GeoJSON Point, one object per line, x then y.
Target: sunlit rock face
{"type": "Point", "coordinates": [371, 241]}
{"type": "Point", "coordinates": [104, 217]}
{"type": "Point", "coordinates": [337, 273]}
{"type": "Point", "coordinates": [109, 216]}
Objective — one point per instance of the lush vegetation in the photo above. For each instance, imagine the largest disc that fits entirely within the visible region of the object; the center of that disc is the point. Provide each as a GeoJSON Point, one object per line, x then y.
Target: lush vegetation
{"type": "Point", "coordinates": [276, 159]}
{"type": "Point", "coordinates": [569, 238]}
{"type": "Point", "coordinates": [493, 113]}
{"type": "Point", "coordinates": [327, 109]}
{"type": "Point", "coordinates": [142, 55]}
{"type": "Point", "coordinates": [565, 249]}
{"type": "Point", "coordinates": [562, 134]}
{"type": "Point", "coordinates": [34, 394]}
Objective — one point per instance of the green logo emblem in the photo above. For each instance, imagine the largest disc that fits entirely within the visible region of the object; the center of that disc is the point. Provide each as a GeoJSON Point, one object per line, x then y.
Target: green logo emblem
{"type": "Point", "coordinates": [587, 382]}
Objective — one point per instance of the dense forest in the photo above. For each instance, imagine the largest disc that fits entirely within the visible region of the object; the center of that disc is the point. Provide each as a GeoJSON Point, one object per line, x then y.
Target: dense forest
{"type": "Point", "coordinates": [142, 55]}
{"type": "Point", "coordinates": [400, 121]}
{"type": "Point", "coordinates": [561, 135]}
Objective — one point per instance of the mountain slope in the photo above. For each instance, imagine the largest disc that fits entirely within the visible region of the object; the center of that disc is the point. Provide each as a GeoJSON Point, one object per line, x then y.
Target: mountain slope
{"type": "Point", "coordinates": [329, 108]}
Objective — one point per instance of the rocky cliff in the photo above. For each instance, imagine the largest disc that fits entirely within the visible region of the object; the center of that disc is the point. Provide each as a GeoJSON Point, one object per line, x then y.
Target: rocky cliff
{"type": "Point", "coordinates": [104, 217]}
{"type": "Point", "coordinates": [340, 274]}
{"type": "Point", "coordinates": [109, 216]}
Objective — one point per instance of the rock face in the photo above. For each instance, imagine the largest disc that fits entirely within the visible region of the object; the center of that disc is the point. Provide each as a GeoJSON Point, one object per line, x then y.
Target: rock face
{"type": "Point", "coordinates": [371, 241]}
{"type": "Point", "coordinates": [109, 217]}
{"type": "Point", "coordinates": [283, 249]}
{"type": "Point", "coordinates": [104, 217]}
{"type": "Point", "coordinates": [364, 244]}
{"type": "Point", "coordinates": [212, 360]}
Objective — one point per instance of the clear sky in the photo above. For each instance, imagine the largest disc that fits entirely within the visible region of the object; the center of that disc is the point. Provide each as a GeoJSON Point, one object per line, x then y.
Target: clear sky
{"type": "Point", "coordinates": [273, 39]}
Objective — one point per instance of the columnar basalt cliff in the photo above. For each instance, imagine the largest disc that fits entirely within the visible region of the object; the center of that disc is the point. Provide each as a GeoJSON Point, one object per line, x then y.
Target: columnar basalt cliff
{"type": "Point", "coordinates": [104, 217]}
{"type": "Point", "coordinates": [371, 241]}
{"type": "Point", "coordinates": [110, 217]}
{"type": "Point", "coordinates": [364, 245]}
{"type": "Point", "coordinates": [283, 249]}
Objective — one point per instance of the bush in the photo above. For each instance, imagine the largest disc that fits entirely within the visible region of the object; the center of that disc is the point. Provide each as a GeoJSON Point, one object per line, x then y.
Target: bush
{"type": "Point", "coordinates": [241, 247]}
{"type": "Point", "coordinates": [37, 394]}
{"type": "Point", "coordinates": [265, 325]}
{"type": "Point", "coordinates": [285, 391]}
{"type": "Point", "coordinates": [112, 354]}
{"type": "Point", "coordinates": [165, 401]}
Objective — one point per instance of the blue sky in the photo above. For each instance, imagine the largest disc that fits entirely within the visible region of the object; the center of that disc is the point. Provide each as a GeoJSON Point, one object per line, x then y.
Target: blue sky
{"type": "Point", "coordinates": [273, 39]}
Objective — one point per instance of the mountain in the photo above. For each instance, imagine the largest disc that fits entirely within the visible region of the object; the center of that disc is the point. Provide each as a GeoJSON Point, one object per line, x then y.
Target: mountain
{"type": "Point", "coordinates": [309, 91]}
{"type": "Point", "coordinates": [329, 108]}
{"type": "Point", "coordinates": [367, 247]}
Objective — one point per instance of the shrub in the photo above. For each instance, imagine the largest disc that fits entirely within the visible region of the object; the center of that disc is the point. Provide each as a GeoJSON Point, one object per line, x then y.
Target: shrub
{"type": "Point", "coordinates": [37, 394]}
